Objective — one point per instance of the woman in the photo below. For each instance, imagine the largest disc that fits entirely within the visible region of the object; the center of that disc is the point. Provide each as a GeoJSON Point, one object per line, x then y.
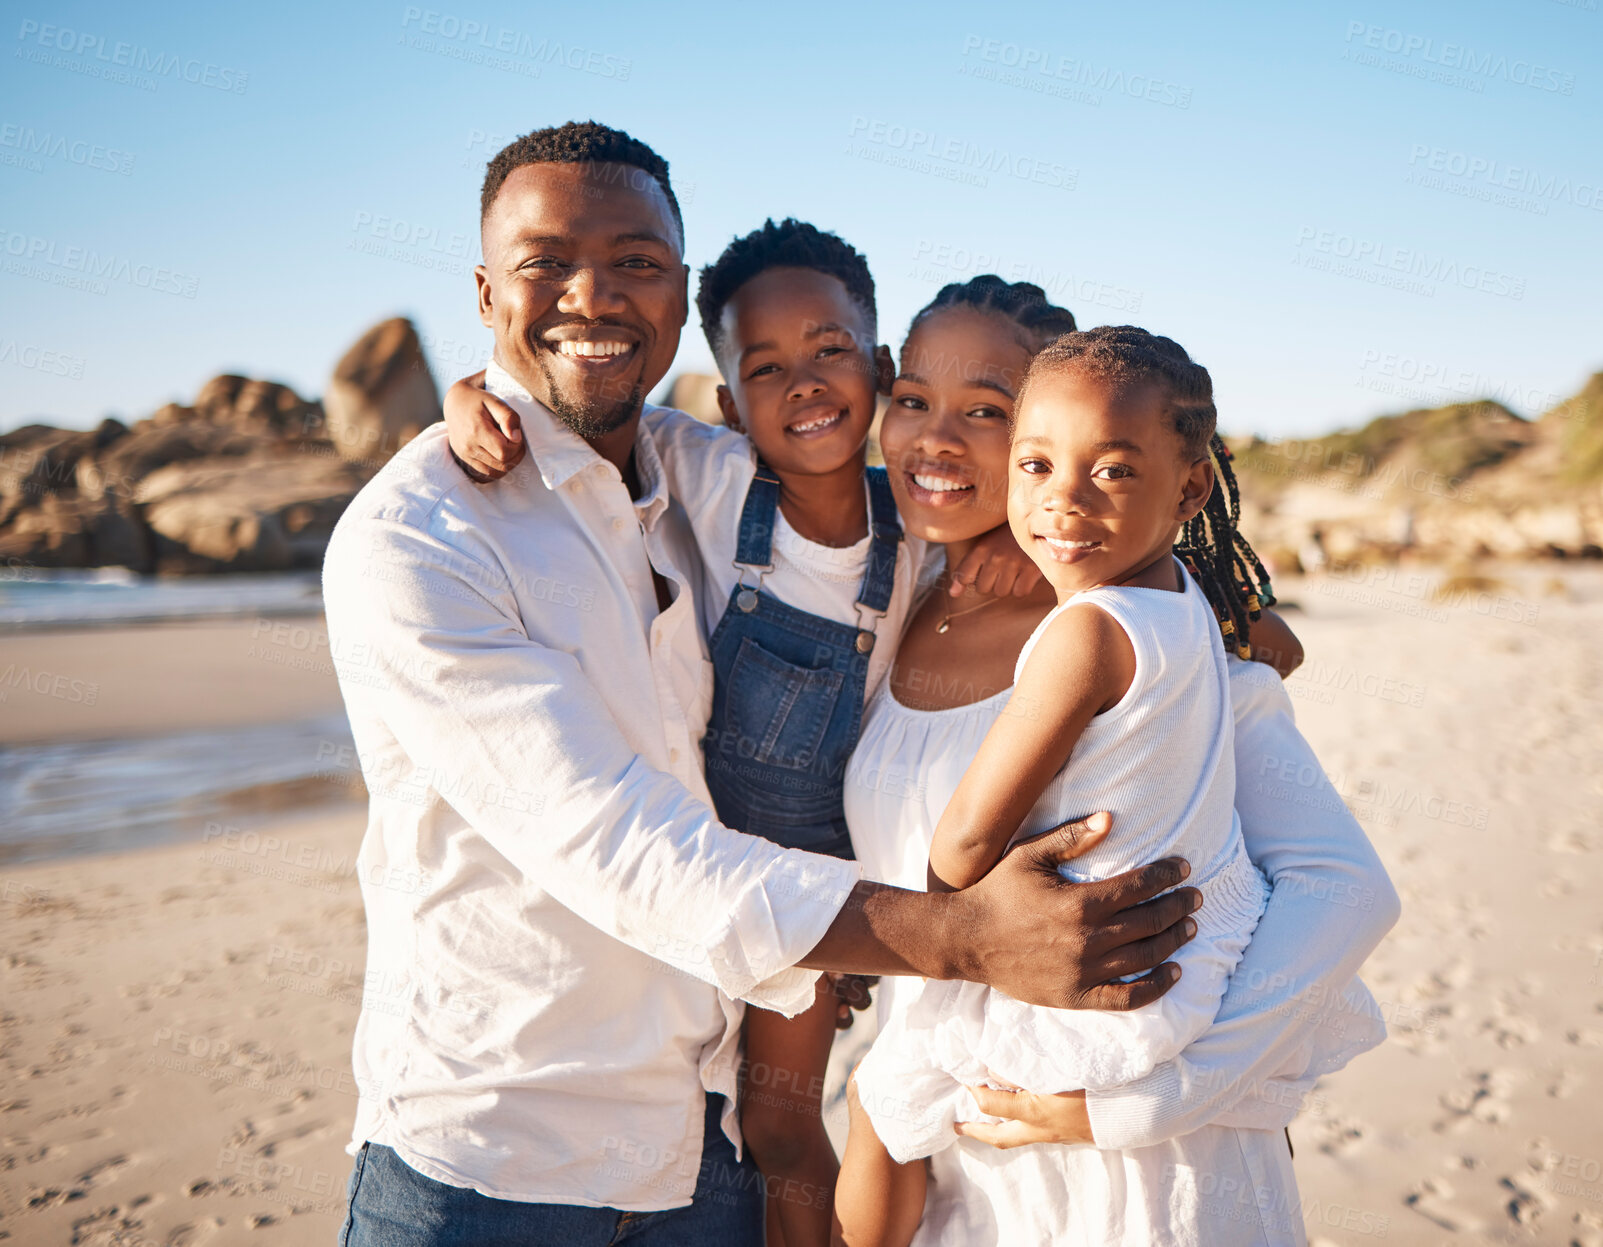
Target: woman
{"type": "Point", "coordinates": [1217, 1112]}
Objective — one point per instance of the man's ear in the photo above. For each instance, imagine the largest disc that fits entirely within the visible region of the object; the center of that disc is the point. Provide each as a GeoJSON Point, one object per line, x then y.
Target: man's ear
{"type": "Point", "coordinates": [1194, 490]}
{"type": "Point", "coordinates": [481, 278]}
{"type": "Point", "coordinates": [726, 404]}
{"type": "Point", "coordinates": [684, 295]}
{"type": "Point", "coordinates": [884, 370]}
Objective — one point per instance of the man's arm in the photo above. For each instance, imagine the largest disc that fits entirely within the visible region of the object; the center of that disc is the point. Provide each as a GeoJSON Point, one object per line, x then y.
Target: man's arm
{"type": "Point", "coordinates": [1025, 929]}
{"type": "Point", "coordinates": [1331, 904]}
{"type": "Point", "coordinates": [626, 847]}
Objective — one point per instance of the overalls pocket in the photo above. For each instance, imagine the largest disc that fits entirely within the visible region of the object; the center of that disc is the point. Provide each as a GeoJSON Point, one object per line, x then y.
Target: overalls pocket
{"type": "Point", "coordinates": [779, 711]}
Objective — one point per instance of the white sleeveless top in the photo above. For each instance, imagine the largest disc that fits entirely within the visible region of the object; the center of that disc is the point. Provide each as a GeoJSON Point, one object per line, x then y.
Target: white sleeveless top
{"type": "Point", "coordinates": [1162, 760]}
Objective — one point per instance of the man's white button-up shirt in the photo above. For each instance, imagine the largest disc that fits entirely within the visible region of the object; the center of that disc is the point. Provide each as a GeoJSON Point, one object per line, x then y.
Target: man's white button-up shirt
{"type": "Point", "coordinates": [558, 927]}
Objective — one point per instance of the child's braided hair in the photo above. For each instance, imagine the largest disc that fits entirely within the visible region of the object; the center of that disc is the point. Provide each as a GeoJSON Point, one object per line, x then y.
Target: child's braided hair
{"type": "Point", "coordinates": [1224, 565]}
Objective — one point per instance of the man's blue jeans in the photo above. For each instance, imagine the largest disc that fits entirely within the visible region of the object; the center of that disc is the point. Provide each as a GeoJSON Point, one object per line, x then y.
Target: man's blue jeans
{"type": "Point", "coordinates": [390, 1204]}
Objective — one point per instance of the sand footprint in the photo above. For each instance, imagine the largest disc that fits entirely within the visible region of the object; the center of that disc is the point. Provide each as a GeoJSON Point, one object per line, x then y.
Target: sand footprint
{"type": "Point", "coordinates": [1433, 1200]}
{"type": "Point", "coordinates": [1586, 1230]}
{"type": "Point", "coordinates": [51, 1197]}
{"type": "Point", "coordinates": [1454, 975]}
{"type": "Point", "coordinates": [1525, 1206]}
{"type": "Point", "coordinates": [108, 1227]}
{"type": "Point", "coordinates": [1511, 1030]}
{"type": "Point", "coordinates": [270, 1145]}
{"type": "Point", "coordinates": [1484, 1101]}
{"type": "Point", "coordinates": [192, 1233]}
{"type": "Point", "coordinates": [1563, 1084]}
{"type": "Point", "coordinates": [1337, 1136]}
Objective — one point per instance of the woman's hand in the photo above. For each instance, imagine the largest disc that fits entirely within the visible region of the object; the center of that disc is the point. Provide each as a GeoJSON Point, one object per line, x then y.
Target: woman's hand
{"type": "Point", "coordinates": [851, 993]}
{"type": "Point", "coordinates": [486, 435]}
{"type": "Point", "coordinates": [996, 567]}
{"type": "Point", "coordinates": [1274, 643]}
{"type": "Point", "coordinates": [1031, 1118]}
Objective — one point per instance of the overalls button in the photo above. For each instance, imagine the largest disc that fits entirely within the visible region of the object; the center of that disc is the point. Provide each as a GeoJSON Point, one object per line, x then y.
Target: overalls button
{"type": "Point", "coordinates": [865, 642]}
{"type": "Point", "coordinates": [747, 600]}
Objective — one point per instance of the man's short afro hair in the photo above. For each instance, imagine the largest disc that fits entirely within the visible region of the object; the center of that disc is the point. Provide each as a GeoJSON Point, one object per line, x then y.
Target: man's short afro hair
{"type": "Point", "coordinates": [576, 142]}
{"type": "Point", "coordinates": [790, 244]}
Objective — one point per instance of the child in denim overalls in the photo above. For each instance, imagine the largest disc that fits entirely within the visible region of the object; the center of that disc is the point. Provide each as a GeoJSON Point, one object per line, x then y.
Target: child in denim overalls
{"type": "Point", "coordinates": [807, 581]}
{"type": "Point", "coordinates": [790, 685]}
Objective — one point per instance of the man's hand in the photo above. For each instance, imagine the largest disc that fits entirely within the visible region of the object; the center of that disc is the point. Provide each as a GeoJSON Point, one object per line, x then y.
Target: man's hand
{"type": "Point", "coordinates": [1029, 932]}
{"type": "Point", "coordinates": [1025, 929]}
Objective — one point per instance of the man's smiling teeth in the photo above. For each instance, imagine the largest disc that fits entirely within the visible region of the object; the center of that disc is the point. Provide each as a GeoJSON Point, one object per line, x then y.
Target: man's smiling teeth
{"type": "Point", "coordinates": [587, 349]}
{"type": "Point", "coordinates": [938, 484]}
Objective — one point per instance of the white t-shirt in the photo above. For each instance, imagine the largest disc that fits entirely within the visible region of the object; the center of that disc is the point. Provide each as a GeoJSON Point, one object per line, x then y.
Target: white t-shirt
{"type": "Point", "coordinates": [709, 469]}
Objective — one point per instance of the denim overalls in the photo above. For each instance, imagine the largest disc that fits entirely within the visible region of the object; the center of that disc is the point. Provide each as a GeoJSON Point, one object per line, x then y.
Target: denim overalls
{"type": "Point", "coordinates": [788, 702]}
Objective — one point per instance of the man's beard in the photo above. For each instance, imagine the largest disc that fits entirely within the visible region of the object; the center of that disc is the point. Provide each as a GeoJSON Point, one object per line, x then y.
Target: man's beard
{"type": "Point", "coordinates": [597, 416]}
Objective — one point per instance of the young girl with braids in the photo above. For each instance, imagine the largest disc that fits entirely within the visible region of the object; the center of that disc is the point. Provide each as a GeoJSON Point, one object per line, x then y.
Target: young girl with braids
{"type": "Point", "coordinates": [1122, 494]}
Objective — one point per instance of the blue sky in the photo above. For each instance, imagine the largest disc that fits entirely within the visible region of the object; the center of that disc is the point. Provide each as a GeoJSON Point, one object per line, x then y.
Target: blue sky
{"type": "Point", "coordinates": [1340, 209]}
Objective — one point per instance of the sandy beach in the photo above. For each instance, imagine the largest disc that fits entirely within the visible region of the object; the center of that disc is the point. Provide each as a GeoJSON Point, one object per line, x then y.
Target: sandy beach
{"type": "Point", "coordinates": [177, 1019]}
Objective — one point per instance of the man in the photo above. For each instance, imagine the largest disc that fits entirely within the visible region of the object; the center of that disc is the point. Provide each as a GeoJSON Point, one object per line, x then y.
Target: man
{"type": "Point", "coordinates": [573, 928]}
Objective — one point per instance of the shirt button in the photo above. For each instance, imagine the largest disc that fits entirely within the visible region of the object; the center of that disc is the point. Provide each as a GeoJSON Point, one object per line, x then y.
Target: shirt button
{"type": "Point", "coordinates": [617, 523]}
{"type": "Point", "coordinates": [673, 755]}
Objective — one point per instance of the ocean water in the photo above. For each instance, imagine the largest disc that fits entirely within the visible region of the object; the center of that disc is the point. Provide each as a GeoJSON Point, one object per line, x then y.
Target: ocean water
{"type": "Point", "coordinates": [68, 797]}
{"type": "Point", "coordinates": [33, 598]}
{"type": "Point", "coordinates": [62, 798]}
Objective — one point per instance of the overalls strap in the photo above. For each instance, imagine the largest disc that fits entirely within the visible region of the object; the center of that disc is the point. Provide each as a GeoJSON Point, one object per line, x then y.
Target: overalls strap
{"type": "Point", "coordinates": [885, 527]}
{"type": "Point", "coordinates": [755, 547]}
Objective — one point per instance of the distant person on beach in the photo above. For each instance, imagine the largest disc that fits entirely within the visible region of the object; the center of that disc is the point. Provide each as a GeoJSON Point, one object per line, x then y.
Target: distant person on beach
{"type": "Point", "coordinates": [527, 689]}
{"type": "Point", "coordinates": [1312, 554]}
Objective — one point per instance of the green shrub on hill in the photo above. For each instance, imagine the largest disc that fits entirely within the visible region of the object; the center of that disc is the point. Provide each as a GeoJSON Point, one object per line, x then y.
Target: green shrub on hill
{"type": "Point", "coordinates": [1582, 437]}
{"type": "Point", "coordinates": [1454, 441]}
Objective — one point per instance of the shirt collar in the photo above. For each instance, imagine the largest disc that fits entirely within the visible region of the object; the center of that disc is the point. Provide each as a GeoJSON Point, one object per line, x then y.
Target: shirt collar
{"type": "Point", "coordinates": [561, 454]}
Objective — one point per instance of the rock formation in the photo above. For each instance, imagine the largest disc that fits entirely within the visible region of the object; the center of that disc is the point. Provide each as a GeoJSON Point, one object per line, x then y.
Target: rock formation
{"type": "Point", "coordinates": [697, 393]}
{"type": "Point", "coordinates": [248, 477]}
{"type": "Point", "coordinates": [381, 395]}
{"type": "Point", "coordinates": [253, 477]}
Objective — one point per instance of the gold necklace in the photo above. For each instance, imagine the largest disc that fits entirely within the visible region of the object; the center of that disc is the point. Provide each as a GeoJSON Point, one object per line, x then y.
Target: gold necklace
{"type": "Point", "coordinates": [946, 619]}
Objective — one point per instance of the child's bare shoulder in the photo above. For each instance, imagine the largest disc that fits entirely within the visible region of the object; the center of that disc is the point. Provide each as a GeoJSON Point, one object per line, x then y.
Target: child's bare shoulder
{"type": "Point", "coordinates": [1083, 655]}
{"type": "Point", "coordinates": [1079, 634]}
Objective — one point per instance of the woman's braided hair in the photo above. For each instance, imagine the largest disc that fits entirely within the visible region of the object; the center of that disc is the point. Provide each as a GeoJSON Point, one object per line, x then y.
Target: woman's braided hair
{"type": "Point", "coordinates": [1022, 302]}
{"type": "Point", "coordinates": [1224, 565]}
